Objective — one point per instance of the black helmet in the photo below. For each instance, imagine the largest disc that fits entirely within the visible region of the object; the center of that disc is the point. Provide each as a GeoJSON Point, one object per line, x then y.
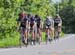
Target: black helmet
{"type": "Point", "coordinates": [36, 15]}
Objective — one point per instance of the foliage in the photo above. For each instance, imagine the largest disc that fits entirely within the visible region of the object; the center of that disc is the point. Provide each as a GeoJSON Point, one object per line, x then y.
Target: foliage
{"type": "Point", "coordinates": [68, 16]}
{"type": "Point", "coordinates": [67, 13]}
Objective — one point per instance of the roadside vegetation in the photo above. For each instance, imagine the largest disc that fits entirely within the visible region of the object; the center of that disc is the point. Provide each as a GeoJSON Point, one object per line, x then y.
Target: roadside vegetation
{"type": "Point", "coordinates": [9, 10]}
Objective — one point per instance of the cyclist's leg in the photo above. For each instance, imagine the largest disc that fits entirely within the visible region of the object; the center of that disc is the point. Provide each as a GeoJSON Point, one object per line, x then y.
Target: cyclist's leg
{"type": "Point", "coordinates": [56, 32]}
{"type": "Point", "coordinates": [33, 38]}
{"type": "Point", "coordinates": [35, 32]}
{"type": "Point", "coordinates": [46, 36]}
{"type": "Point", "coordinates": [59, 31]}
{"type": "Point", "coordinates": [51, 33]}
{"type": "Point", "coordinates": [46, 30]}
{"type": "Point", "coordinates": [33, 35]}
{"type": "Point", "coordinates": [25, 33]}
{"type": "Point", "coordinates": [28, 35]}
{"type": "Point", "coordinates": [40, 34]}
{"type": "Point", "coordinates": [40, 31]}
{"type": "Point", "coordinates": [22, 35]}
{"type": "Point", "coordinates": [38, 38]}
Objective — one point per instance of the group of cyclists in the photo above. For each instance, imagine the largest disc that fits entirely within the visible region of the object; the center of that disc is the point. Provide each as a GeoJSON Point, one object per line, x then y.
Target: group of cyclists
{"type": "Point", "coordinates": [31, 27]}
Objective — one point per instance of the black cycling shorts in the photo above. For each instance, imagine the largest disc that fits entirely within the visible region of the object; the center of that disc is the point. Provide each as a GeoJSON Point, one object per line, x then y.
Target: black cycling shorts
{"type": "Point", "coordinates": [56, 24]}
{"type": "Point", "coordinates": [47, 26]}
{"type": "Point", "coordinates": [23, 25]}
{"type": "Point", "coordinates": [31, 25]}
{"type": "Point", "coordinates": [38, 25]}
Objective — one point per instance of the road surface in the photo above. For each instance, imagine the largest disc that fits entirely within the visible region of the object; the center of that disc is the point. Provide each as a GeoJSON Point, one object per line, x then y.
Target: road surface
{"type": "Point", "coordinates": [63, 46]}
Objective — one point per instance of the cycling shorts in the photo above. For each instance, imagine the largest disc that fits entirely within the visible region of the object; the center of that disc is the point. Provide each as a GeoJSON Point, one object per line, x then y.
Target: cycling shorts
{"type": "Point", "coordinates": [31, 25]}
{"type": "Point", "coordinates": [38, 25]}
{"type": "Point", "coordinates": [56, 24]}
{"type": "Point", "coordinates": [48, 26]}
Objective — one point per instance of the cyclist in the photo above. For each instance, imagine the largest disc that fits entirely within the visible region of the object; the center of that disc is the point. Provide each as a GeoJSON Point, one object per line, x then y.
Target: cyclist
{"type": "Point", "coordinates": [49, 24]}
{"type": "Point", "coordinates": [57, 25]}
{"type": "Point", "coordinates": [32, 27]}
{"type": "Point", "coordinates": [23, 21]}
{"type": "Point", "coordinates": [28, 28]}
{"type": "Point", "coordinates": [38, 27]}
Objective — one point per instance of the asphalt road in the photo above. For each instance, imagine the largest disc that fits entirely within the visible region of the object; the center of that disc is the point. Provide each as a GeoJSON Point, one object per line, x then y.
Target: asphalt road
{"type": "Point", "coordinates": [63, 46]}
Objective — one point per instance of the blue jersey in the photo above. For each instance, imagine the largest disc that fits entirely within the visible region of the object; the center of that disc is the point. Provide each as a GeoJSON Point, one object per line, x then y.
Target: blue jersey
{"type": "Point", "coordinates": [38, 20]}
{"type": "Point", "coordinates": [32, 20]}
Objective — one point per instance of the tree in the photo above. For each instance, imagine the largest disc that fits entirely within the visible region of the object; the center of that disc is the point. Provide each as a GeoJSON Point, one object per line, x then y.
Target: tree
{"type": "Point", "coordinates": [68, 13]}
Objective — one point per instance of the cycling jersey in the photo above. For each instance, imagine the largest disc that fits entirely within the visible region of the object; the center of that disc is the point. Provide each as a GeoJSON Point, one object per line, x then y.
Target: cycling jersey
{"type": "Point", "coordinates": [38, 21]}
{"type": "Point", "coordinates": [49, 23]}
{"type": "Point", "coordinates": [23, 22]}
{"type": "Point", "coordinates": [32, 20]}
{"type": "Point", "coordinates": [57, 21]}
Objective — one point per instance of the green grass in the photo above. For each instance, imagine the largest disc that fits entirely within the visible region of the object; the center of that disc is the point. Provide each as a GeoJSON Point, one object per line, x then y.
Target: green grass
{"type": "Point", "coordinates": [43, 36]}
{"type": "Point", "coordinates": [62, 34]}
{"type": "Point", "coordinates": [9, 42]}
